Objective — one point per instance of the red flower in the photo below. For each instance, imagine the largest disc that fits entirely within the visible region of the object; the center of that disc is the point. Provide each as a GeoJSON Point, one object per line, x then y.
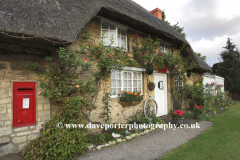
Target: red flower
{"type": "Point", "coordinates": [118, 130]}
{"type": "Point", "coordinates": [136, 36]}
{"type": "Point", "coordinates": [160, 40]}
{"type": "Point", "coordinates": [111, 56]}
{"type": "Point", "coordinates": [161, 54]}
{"type": "Point", "coordinates": [202, 108]}
{"type": "Point", "coordinates": [143, 53]}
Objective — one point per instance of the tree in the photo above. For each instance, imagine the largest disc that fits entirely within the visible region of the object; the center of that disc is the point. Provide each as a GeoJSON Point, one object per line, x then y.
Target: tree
{"type": "Point", "coordinates": [229, 68]}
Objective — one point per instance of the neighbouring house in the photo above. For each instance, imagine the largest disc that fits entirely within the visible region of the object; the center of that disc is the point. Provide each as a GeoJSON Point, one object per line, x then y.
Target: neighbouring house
{"type": "Point", "coordinates": [31, 30]}
{"type": "Point", "coordinates": [209, 78]}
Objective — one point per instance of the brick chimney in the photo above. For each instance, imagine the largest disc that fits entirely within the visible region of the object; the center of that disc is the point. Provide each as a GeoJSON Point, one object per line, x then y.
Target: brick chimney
{"type": "Point", "coordinates": [157, 13]}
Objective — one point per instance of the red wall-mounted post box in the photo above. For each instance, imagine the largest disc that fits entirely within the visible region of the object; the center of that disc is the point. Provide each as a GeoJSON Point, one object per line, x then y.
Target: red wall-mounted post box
{"type": "Point", "coordinates": [24, 103]}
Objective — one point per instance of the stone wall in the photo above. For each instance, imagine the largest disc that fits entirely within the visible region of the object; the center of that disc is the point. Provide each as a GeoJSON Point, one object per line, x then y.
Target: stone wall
{"type": "Point", "coordinates": [13, 55]}
{"type": "Point", "coordinates": [118, 112]}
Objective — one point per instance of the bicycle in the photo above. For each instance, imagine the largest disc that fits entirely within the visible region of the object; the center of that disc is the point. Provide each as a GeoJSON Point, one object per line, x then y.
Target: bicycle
{"type": "Point", "coordinates": [150, 106]}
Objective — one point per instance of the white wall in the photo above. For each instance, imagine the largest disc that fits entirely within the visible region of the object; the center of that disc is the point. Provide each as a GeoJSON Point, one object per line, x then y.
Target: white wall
{"type": "Point", "coordinates": [216, 79]}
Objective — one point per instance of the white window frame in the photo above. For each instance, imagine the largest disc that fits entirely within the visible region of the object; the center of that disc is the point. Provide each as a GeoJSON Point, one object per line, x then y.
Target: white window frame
{"type": "Point", "coordinates": [177, 80]}
{"type": "Point", "coordinates": [164, 47]}
{"type": "Point", "coordinates": [118, 26]}
{"type": "Point", "coordinates": [129, 70]}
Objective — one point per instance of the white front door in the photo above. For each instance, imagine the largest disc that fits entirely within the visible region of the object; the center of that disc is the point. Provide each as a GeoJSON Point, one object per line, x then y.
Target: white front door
{"type": "Point", "coordinates": [160, 80]}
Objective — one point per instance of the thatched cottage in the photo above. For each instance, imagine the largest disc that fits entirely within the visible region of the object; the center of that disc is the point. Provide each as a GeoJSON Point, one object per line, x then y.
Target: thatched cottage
{"type": "Point", "coordinates": [30, 30]}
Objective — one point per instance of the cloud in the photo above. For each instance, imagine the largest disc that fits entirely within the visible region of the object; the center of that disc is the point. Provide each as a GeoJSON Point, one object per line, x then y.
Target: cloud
{"type": "Point", "coordinates": [210, 27]}
{"type": "Point", "coordinates": [202, 19]}
{"type": "Point", "coordinates": [207, 23]}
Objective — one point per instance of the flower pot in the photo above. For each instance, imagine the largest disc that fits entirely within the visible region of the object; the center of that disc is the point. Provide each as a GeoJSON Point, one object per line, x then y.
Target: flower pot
{"type": "Point", "coordinates": [151, 88]}
{"type": "Point", "coordinates": [124, 104]}
{"type": "Point", "coordinates": [178, 122]}
{"type": "Point", "coordinates": [149, 69]}
{"type": "Point", "coordinates": [198, 115]}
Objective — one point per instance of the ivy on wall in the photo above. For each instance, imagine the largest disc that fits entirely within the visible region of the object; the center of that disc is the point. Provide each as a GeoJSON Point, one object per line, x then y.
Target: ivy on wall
{"type": "Point", "coordinates": [72, 95]}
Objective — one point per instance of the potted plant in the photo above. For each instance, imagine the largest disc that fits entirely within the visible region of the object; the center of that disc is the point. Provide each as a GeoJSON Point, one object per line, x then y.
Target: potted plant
{"type": "Point", "coordinates": [177, 117]}
{"type": "Point", "coordinates": [151, 86]}
{"type": "Point", "coordinates": [149, 69]}
{"type": "Point", "coordinates": [198, 111]}
{"type": "Point", "coordinates": [130, 98]}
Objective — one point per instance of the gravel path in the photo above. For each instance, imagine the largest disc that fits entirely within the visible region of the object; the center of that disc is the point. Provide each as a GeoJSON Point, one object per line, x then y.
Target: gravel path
{"type": "Point", "coordinates": [147, 147]}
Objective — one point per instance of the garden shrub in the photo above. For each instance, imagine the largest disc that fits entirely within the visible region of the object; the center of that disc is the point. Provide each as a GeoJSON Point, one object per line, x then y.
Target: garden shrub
{"type": "Point", "coordinates": [58, 143]}
{"type": "Point", "coordinates": [97, 138]}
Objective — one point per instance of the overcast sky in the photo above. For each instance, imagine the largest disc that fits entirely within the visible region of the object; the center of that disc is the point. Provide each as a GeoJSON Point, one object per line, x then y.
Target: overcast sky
{"type": "Point", "coordinates": [207, 23]}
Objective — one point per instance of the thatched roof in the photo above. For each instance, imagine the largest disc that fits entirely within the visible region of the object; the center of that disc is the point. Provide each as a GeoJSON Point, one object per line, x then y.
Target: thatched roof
{"type": "Point", "coordinates": [62, 20]}
{"type": "Point", "coordinates": [199, 63]}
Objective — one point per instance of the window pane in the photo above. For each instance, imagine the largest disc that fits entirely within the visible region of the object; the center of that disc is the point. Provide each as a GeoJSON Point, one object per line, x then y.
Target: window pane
{"type": "Point", "coordinates": [129, 89]}
{"type": "Point", "coordinates": [119, 32]}
{"type": "Point", "coordinates": [134, 83]}
{"type": "Point", "coordinates": [138, 89]}
{"type": "Point", "coordinates": [113, 91]}
{"type": "Point", "coordinates": [129, 76]}
{"type": "Point", "coordinates": [112, 35]}
{"type": "Point", "coordinates": [129, 83]}
{"type": "Point", "coordinates": [104, 26]}
{"type": "Point", "coordinates": [139, 84]}
{"type": "Point", "coordinates": [161, 47]}
{"type": "Point", "coordinates": [124, 75]}
{"type": "Point", "coordinates": [118, 83]}
{"type": "Point", "coordinates": [139, 76]}
{"type": "Point", "coordinates": [125, 89]}
{"type": "Point", "coordinates": [167, 48]}
{"type": "Point", "coordinates": [113, 73]}
{"type": "Point", "coordinates": [113, 83]}
{"type": "Point", "coordinates": [123, 40]}
{"type": "Point", "coordinates": [134, 89]}
{"type": "Point", "coordinates": [112, 27]}
{"type": "Point", "coordinates": [124, 83]}
{"type": "Point", "coordinates": [105, 37]}
{"type": "Point", "coordinates": [176, 83]}
{"type": "Point", "coordinates": [119, 41]}
{"type": "Point", "coordinates": [134, 75]}
{"type": "Point", "coordinates": [180, 82]}
{"type": "Point", "coordinates": [118, 91]}
{"type": "Point", "coordinates": [123, 32]}
{"type": "Point", "coordinates": [118, 75]}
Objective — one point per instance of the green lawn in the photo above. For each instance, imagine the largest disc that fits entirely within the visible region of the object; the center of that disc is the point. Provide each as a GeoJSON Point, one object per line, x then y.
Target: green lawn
{"type": "Point", "coordinates": [221, 141]}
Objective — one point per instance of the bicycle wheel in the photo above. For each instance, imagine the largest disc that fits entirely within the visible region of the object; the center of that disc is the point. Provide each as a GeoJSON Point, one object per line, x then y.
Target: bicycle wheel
{"type": "Point", "coordinates": [150, 107]}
